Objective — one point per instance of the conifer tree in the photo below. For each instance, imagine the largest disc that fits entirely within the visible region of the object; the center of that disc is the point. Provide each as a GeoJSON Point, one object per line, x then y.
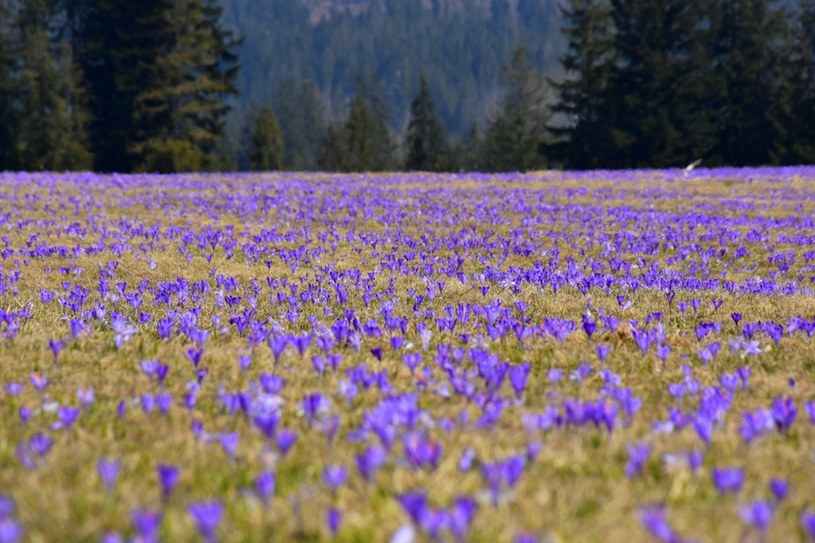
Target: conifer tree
{"type": "Point", "coordinates": [425, 140]}
{"type": "Point", "coordinates": [583, 118]}
{"type": "Point", "coordinates": [184, 100]}
{"type": "Point", "coordinates": [653, 44]}
{"type": "Point", "coordinates": [470, 150]}
{"type": "Point", "coordinates": [299, 109]}
{"type": "Point", "coordinates": [52, 105]}
{"type": "Point", "coordinates": [160, 74]}
{"type": "Point", "coordinates": [267, 142]}
{"type": "Point", "coordinates": [793, 114]}
{"type": "Point", "coordinates": [748, 36]}
{"type": "Point", "coordinates": [515, 137]}
{"type": "Point", "coordinates": [8, 128]}
{"type": "Point", "coordinates": [361, 143]}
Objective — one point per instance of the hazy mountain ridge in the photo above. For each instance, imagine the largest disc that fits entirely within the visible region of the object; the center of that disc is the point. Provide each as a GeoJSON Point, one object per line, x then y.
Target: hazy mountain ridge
{"type": "Point", "coordinates": [459, 45]}
{"type": "Point", "coordinates": [324, 10]}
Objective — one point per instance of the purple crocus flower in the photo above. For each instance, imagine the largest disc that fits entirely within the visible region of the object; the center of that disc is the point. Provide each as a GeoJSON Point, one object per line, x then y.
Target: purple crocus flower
{"type": "Point", "coordinates": [783, 413]}
{"type": "Point", "coordinates": [779, 489]}
{"type": "Point", "coordinates": [122, 330]}
{"type": "Point", "coordinates": [313, 405]}
{"type": "Point", "coordinates": [589, 325]}
{"type": "Point", "coordinates": [663, 352]}
{"type": "Point", "coordinates": [285, 441]}
{"type": "Point", "coordinates": [229, 443]}
{"type": "Point", "coordinates": [13, 389]}
{"type": "Point", "coordinates": [412, 361]}
{"type": "Point", "coordinates": [66, 416]}
{"type": "Point", "coordinates": [370, 460]}
{"type": "Point", "coordinates": [333, 519]}
{"type": "Point", "coordinates": [40, 444]}
{"type": "Point", "coordinates": [655, 520]}
{"type": "Point", "coordinates": [244, 361]}
{"type": "Point", "coordinates": [461, 516]}
{"type": "Point", "coordinates": [334, 477]}
{"type": "Point", "coordinates": [278, 345]}
{"type": "Point", "coordinates": [146, 522]}
{"type": "Point", "coordinates": [736, 318]}
{"type": "Point", "coordinates": [421, 451]}
{"type": "Point", "coordinates": [728, 480]}
{"type": "Point", "coordinates": [7, 506]}
{"type": "Point", "coordinates": [265, 486]}
{"type": "Point", "coordinates": [758, 515]}
{"type": "Point", "coordinates": [465, 461]}
{"type": "Point", "coordinates": [10, 531]}
{"type": "Point", "coordinates": [695, 459]}
{"type": "Point", "coordinates": [637, 457]}
{"type": "Point", "coordinates": [39, 381]}
{"type": "Point", "coordinates": [56, 346]}
{"type": "Point", "coordinates": [808, 523]}
{"type": "Point", "coordinates": [108, 472]}
{"type": "Point", "coordinates": [86, 396]}
{"type": "Point", "coordinates": [414, 504]}
{"type": "Point", "coordinates": [168, 479]}
{"type": "Point", "coordinates": [518, 375]}
{"type": "Point", "coordinates": [207, 517]}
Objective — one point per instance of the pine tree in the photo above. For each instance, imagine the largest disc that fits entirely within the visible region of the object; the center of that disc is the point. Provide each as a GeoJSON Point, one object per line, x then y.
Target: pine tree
{"type": "Point", "coordinates": [361, 143]}
{"type": "Point", "coordinates": [793, 114]}
{"type": "Point", "coordinates": [184, 101]}
{"type": "Point", "coordinates": [267, 142]}
{"type": "Point", "coordinates": [748, 34]}
{"type": "Point", "coordinates": [515, 137]}
{"type": "Point", "coordinates": [470, 150]}
{"type": "Point", "coordinates": [8, 127]}
{"type": "Point", "coordinates": [582, 121]}
{"type": "Point", "coordinates": [52, 106]}
{"type": "Point", "coordinates": [425, 140]}
{"type": "Point", "coordinates": [299, 109]}
{"type": "Point", "coordinates": [160, 74]}
{"type": "Point", "coordinates": [648, 88]}
{"type": "Point", "coordinates": [333, 157]}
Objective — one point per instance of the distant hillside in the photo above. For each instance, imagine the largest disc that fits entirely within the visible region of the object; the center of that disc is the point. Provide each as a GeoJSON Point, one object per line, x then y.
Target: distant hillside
{"type": "Point", "coordinates": [459, 44]}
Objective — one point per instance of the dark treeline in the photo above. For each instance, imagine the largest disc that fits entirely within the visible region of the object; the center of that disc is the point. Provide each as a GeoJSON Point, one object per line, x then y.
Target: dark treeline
{"type": "Point", "coordinates": [664, 82]}
{"type": "Point", "coordinates": [121, 86]}
{"type": "Point", "coordinates": [114, 85]}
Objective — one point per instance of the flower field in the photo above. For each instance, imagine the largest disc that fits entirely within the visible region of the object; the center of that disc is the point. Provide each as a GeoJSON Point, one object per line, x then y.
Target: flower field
{"type": "Point", "coordinates": [550, 357]}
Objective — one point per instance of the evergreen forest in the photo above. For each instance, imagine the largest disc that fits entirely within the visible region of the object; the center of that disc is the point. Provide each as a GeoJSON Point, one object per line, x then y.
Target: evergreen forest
{"type": "Point", "coordinates": [418, 85]}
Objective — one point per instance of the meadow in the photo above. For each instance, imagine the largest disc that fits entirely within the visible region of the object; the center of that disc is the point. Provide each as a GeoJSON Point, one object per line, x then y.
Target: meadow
{"type": "Point", "coordinates": [553, 357]}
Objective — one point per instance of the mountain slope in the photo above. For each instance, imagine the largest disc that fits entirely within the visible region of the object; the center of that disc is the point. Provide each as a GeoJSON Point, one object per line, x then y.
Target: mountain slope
{"type": "Point", "coordinates": [459, 44]}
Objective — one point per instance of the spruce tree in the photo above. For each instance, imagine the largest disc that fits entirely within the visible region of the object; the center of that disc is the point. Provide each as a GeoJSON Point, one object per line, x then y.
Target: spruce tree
{"type": "Point", "coordinates": [116, 43]}
{"type": "Point", "coordinates": [52, 110]}
{"type": "Point", "coordinates": [183, 103]}
{"type": "Point", "coordinates": [300, 111]}
{"type": "Point", "coordinates": [361, 143]}
{"type": "Point", "coordinates": [160, 74]}
{"type": "Point", "coordinates": [582, 124]}
{"type": "Point", "coordinates": [425, 140]}
{"type": "Point", "coordinates": [515, 137]}
{"type": "Point", "coordinates": [747, 39]}
{"type": "Point", "coordinates": [650, 83]}
{"type": "Point", "coordinates": [267, 142]}
{"type": "Point", "coordinates": [793, 114]}
{"type": "Point", "coordinates": [8, 128]}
